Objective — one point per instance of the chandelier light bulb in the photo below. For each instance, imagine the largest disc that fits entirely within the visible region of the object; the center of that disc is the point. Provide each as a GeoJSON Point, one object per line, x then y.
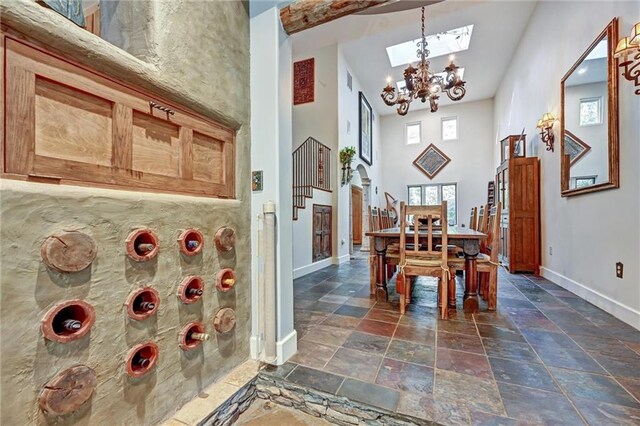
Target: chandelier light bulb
{"type": "Point", "coordinates": [451, 58]}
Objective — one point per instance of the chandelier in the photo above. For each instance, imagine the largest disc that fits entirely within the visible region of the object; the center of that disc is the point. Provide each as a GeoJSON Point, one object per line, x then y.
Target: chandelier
{"type": "Point", "coordinates": [420, 83]}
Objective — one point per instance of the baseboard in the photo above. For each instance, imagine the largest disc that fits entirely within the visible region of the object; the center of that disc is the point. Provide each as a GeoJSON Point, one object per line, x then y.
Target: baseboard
{"type": "Point", "coordinates": [286, 348]}
{"type": "Point", "coordinates": [341, 259]}
{"type": "Point", "coordinates": [315, 266]}
{"type": "Point", "coordinates": [615, 308]}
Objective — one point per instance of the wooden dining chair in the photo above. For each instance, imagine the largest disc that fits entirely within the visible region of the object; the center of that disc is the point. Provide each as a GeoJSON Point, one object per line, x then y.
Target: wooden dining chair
{"type": "Point", "coordinates": [384, 219]}
{"type": "Point", "coordinates": [483, 223]}
{"type": "Point", "coordinates": [374, 225]}
{"type": "Point", "coordinates": [487, 263]}
{"type": "Point", "coordinates": [423, 260]}
{"type": "Point", "coordinates": [473, 219]}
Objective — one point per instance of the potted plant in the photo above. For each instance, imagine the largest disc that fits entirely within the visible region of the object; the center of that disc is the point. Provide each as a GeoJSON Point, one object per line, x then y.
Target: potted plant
{"type": "Point", "coordinates": [346, 157]}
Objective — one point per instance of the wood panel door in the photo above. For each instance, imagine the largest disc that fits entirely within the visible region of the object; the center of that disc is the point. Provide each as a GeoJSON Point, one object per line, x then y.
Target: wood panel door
{"type": "Point", "coordinates": [322, 243]}
{"type": "Point", "coordinates": [356, 214]}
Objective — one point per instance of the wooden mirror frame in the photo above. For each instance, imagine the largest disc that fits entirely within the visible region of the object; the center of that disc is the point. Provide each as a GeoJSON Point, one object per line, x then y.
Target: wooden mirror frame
{"type": "Point", "coordinates": [611, 32]}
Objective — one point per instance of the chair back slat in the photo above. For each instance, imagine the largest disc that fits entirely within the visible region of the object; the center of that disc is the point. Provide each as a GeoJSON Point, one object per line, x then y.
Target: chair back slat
{"type": "Point", "coordinates": [384, 219]}
{"type": "Point", "coordinates": [473, 219]}
{"type": "Point", "coordinates": [493, 237]}
{"type": "Point", "coordinates": [374, 218]}
{"type": "Point", "coordinates": [483, 218]}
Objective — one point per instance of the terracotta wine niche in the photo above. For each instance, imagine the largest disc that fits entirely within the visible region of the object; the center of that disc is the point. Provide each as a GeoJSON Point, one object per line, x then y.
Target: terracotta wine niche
{"type": "Point", "coordinates": [192, 336]}
{"type": "Point", "coordinates": [68, 321]}
{"type": "Point", "coordinates": [191, 242]}
{"type": "Point", "coordinates": [225, 320]}
{"type": "Point", "coordinates": [142, 303]}
{"type": "Point", "coordinates": [191, 289]}
{"type": "Point", "coordinates": [225, 239]}
{"type": "Point", "coordinates": [225, 280]}
{"type": "Point", "coordinates": [68, 390]}
{"type": "Point", "coordinates": [70, 251]}
{"type": "Point", "coordinates": [142, 245]}
{"type": "Point", "coordinates": [141, 359]}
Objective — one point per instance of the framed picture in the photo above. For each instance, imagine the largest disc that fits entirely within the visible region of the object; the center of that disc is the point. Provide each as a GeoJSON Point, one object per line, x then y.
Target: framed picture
{"type": "Point", "coordinates": [366, 130]}
{"type": "Point", "coordinates": [303, 81]}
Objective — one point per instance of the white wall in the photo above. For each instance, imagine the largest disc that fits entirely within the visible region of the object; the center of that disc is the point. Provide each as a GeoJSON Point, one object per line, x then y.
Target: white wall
{"type": "Point", "coordinates": [325, 119]}
{"type": "Point", "coordinates": [589, 233]}
{"type": "Point", "coordinates": [471, 165]}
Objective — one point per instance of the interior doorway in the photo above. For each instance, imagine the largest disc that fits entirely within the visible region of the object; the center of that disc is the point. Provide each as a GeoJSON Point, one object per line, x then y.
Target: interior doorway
{"type": "Point", "coordinates": [356, 214]}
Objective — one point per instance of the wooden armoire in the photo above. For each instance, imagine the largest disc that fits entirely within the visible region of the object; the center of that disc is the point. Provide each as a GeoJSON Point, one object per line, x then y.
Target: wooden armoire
{"type": "Point", "coordinates": [518, 189]}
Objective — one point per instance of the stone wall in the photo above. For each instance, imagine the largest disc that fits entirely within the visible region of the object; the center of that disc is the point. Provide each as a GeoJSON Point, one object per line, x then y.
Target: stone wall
{"type": "Point", "coordinates": [203, 65]}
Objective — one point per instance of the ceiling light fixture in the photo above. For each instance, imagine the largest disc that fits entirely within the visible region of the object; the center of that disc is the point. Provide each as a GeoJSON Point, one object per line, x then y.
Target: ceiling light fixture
{"type": "Point", "coordinates": [421, 83]}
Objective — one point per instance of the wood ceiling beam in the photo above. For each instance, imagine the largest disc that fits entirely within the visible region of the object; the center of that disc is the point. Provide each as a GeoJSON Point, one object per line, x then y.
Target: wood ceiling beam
{"type": "Point", "coordinates": [301, 15]}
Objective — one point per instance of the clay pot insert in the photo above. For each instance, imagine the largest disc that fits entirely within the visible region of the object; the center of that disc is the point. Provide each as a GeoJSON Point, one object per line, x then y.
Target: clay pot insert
{"type": "Point", "coordinates": [68, 321]}
{"type": "Point", "coordinates": [141, 359]}
{"type": "Point", "coordinates": [142, 245]}
{"type": "Point", "coordinates": [70, 251]}
{"type": "Point", "coordinates": [142, 303]}
{"type": "Point", "coordinates": [191, 242]}
{"type": "Point", "coordinates": [192, 336]}
{"type": "Point", "coordinates": [224, 320]}
{"type": "Point", "coordinates": [68, 390]}
{"type": "Point", "coordinates": [225, 239]}
{"type": "Point", "coordinates": [225, 280]}
{"type": "Point", "coordinates": [191, 289]}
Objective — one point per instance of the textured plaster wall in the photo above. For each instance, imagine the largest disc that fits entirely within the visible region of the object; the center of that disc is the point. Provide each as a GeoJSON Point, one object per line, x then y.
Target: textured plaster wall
{"type": "Point", "coordinates": [202, 63]}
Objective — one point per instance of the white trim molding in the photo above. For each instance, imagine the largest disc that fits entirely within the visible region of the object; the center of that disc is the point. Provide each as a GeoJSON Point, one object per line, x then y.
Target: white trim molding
{"type": "Point", "coordinates": [312, 267]}
{"type": "Point", "coordinates": [615, 308]}
{"type": "Point", "coordinates": [286, 348]}
{"type": "Point", "coordinates": [342, 259]}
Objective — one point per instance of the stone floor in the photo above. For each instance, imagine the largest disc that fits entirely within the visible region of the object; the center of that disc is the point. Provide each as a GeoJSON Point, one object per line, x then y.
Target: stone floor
{"type": "Point", "coordinates": [544, 357]}
{"type": "Point", "coordinates": [266, 413]}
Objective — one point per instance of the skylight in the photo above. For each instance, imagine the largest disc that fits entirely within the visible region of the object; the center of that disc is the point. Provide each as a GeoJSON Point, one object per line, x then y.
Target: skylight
{"type": "Point", "coordinates": [440, 44]}
{"type": "Point", "coordinates": [401, 85]}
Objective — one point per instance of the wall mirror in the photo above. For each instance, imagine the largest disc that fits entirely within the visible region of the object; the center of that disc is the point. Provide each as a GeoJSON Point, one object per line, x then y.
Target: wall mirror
{"type": "Point", "coordinates": [589, 122]}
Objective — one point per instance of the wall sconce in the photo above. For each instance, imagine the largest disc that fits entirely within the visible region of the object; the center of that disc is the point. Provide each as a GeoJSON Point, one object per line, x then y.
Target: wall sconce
{"type": "Point", "coordinates": [545, 124]}
{"type": "Point", "coordinates": [630, 46]}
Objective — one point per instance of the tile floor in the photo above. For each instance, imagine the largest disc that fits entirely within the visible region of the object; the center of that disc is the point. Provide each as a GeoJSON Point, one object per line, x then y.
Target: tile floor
{"type": "Point", "coordinates": [544, 357]}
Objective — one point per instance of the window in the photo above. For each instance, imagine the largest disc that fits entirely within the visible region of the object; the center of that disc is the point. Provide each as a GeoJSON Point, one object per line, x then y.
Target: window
{"type": "Point", "coordinates": [435, 194]}
{"type": "Point", "coordinates": [413, 133]}
{"type": "Point", "coordinates": [440, 44]}
{"type": "Point", "coordinates": [581, 182]}
{"type": "Point", "coordinates": [590, 111]}
{"type": "Point", "coordinates": [450, 129]}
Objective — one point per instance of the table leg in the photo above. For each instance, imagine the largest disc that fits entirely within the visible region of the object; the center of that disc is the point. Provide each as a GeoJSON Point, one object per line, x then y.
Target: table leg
{"type": "Point", "coordinates": [471, 250]}
{"type": "Point", "coordinates": [382, 294]}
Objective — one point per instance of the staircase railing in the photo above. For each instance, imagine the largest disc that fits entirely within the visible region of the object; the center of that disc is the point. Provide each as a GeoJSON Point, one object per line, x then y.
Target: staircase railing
{"type": "Point", "coordinates": [311, 169]}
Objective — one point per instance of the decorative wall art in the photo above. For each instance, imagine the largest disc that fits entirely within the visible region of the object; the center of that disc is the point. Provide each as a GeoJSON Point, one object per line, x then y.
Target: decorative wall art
{"type": "Point", "coordinates": [366, 130]}
{"type": "Point", "coordinates": [431, 161]}
{"type": "Point", "coordinates": [303, 81]}
{"type": "Point", "coordinates": [574, 147]}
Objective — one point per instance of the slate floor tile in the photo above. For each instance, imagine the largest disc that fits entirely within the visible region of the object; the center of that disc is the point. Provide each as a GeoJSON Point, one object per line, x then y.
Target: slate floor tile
{"type": "Point", "coordinates": [368, 343]}
{"type": "Point", "coordinates": [460, 342]}
{"type": "Point", "coordinates": [341, 321]}
{"type": "Point", "coordinates": [448, 412]}
{"type": "Point", "coordinates": [327, 335]}
{"type": "Point", "coordinates": [500, 333]}
{"type": "Point", "coordinates": [313, 354]}
{"type": "Point", "coordinates": [383, 315]}
{"type": "Point", "coordinates": [420, 321]}
{"type": "Point", "coordinates": [631, 385]}
{"type": "Point", "coordinates": [355, 364]}
{"type": "Point", "coordinates": [465, 363]}
{"type": "Point", "coordinates": [452, 386]}
{"type": "Point", "coordinates": [620, 366]}
{"type": "Point", "coordinates": [352, 311]}
{"type": "Point", "coordinates": [600, 413]}
{"type": "Point", "coordinates": [424, 336]}
{"type": "Point", "coordinates": [280, 371]}
{"type": "Point", "coordinates": [330, 298]}
{"type": "Point", "coordinates": [315, 379]}
{"type": "Point", "coordinates": [321, 307]}
{"type": "Point", "coordinates": [554, 356]}
{"type": "Point", "coordinates": [376, 327]}
{"type": "Point", "coordinates": [535, 405]}
{"type": "Point", "coordinates": [511, 350]}
{"type": "Point", "coordinates": [361, 302]}
{"type": "Point", "coordinates": [416, 353]}
{"type": "Point", "coordinates": [367, 393]}
{"type": "Point", "coordinates": [544, 338]}
{"type": "Point", "coordinates": [460, 327]}
{"type": "Point", "coordinates": [405, 377]}
{"type": "Point", "coordinates": [578, 384]}
{"type": "Point", "coordinates": [523, 374]}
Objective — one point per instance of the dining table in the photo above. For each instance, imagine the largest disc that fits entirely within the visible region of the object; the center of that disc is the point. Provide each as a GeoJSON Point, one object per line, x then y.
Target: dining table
{"type": "Point", "coordinates": [465, 238]}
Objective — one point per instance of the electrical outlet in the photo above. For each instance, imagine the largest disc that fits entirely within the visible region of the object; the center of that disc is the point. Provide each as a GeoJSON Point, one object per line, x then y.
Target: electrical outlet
{"type": "Point", "coordinates": [550, 251]}
{"type": "Point", "coordinates": [619, 269]}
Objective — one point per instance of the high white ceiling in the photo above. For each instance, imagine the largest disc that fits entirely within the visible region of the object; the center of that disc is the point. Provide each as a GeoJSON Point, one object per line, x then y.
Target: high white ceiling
{"type": "Point", "coordinates": [498, 26]}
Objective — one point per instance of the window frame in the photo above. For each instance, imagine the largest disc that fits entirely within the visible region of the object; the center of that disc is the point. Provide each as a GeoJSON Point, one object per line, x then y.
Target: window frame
{"type": "Point", "coordinates": [450, 118]}
{"type": "Point", "coordinates": [406, 132]}
{"type": "Point", "coordinates": [439, 186]}
{"type": "Point", "coordinates": [598, 99]}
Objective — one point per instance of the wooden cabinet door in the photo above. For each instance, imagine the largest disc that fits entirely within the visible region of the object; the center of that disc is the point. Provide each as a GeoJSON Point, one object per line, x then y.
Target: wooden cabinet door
{"type": "Point", "coordinates": [356, 214]}
{"type": "Point", "coordinates": [322, 243]}
{"type": "Point", "coordinates": [525, 245]}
